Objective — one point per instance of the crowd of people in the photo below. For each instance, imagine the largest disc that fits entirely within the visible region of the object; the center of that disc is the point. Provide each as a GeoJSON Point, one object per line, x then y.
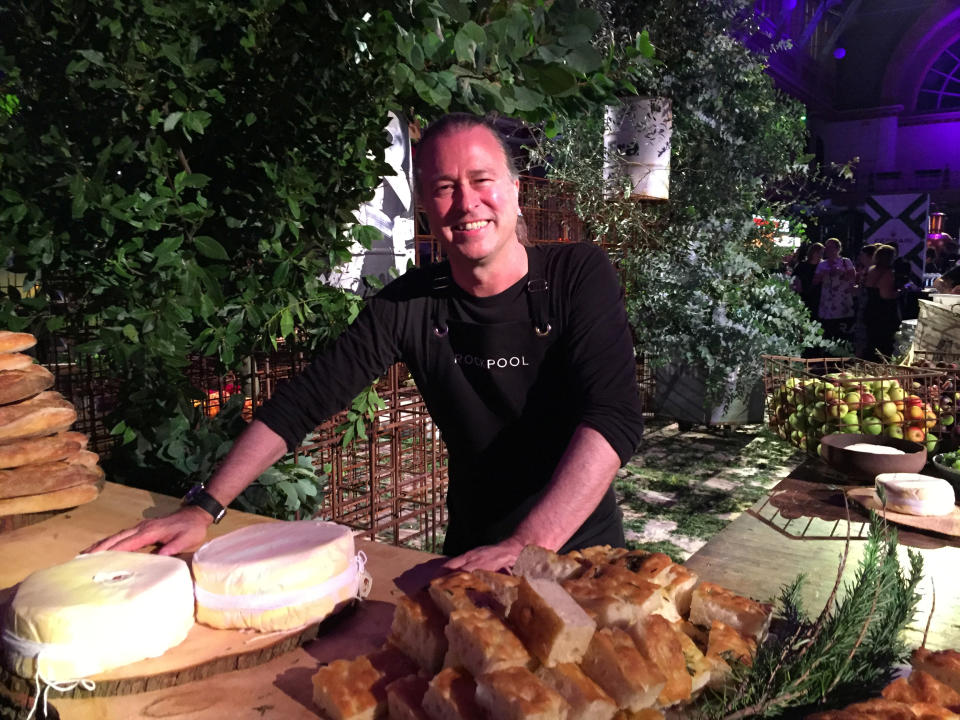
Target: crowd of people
{"type": "Point", "coordinates": [859, 301]}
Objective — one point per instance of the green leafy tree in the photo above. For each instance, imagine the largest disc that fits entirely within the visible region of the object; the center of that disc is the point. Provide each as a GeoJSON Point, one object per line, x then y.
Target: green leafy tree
{"type": "Point", "coordinates": [699, 288]}
{"type": "Point", "coordinates": [176, 177]}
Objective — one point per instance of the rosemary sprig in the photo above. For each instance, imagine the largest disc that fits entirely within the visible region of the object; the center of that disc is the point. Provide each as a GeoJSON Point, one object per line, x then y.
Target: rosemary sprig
{"type": "Point", "coordinates": [846, 652]}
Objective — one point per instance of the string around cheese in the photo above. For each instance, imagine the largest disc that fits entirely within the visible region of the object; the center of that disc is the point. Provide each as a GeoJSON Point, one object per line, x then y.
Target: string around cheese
{"type": "Point", "coordinates": [353, 577]}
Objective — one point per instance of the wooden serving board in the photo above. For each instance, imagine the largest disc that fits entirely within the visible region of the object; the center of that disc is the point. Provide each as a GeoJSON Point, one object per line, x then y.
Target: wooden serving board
{"type": "Point", "coordinates": [944, 524]}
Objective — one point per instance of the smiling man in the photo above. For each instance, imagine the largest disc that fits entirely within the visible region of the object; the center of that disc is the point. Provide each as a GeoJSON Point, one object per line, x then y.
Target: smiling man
{"type": "Point", "coordinates": [523, 356]}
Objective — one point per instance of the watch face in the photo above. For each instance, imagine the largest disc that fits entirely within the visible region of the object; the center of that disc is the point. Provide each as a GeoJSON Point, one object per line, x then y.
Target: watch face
{"type": "Point", "coordinates": [192, 493]}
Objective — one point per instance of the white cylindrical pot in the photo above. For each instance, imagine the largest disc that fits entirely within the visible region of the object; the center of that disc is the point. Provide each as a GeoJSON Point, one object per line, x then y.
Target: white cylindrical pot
{"type": "Point", "coordinates": [637, 149]}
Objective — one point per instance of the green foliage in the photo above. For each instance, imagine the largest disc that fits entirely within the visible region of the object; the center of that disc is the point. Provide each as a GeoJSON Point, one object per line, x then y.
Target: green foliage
{"type": "Point", "coordinates": [290, 490]}
{"type": "Point", "coordinates": [183, 174]}
{"type": "Point", "coordinates": [699, 285]}
{"type": "Point", "coordinates": [848, 650]}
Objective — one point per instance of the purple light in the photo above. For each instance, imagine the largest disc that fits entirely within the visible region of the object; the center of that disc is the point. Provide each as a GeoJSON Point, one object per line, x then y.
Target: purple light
{"type": "Point", "coordinates": [840, 53]}
{"type": "Point", "coordinates": [790, 4]}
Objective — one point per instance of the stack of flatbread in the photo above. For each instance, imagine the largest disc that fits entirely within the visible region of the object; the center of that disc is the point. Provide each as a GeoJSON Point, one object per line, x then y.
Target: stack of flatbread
{"type": "Point", "coordinates": [43, 466]}
{"type": "Point", "coordinates": [931, 691]}
{"type": "Point", "coordinates": [599, 634]}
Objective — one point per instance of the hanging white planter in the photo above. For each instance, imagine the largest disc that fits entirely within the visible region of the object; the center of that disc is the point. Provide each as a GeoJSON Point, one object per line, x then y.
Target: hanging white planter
{"type": "Point", "coordinates": [637, 149]}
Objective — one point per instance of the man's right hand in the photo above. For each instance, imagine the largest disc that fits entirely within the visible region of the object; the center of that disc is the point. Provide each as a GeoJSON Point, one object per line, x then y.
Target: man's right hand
{"type": "Point", "coordinates": [175, 533]}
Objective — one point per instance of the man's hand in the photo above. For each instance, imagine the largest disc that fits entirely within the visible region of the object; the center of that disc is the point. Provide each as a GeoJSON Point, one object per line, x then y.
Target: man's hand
{"type": "Point", "coordinates": [175, 533]}
{"type": "Point", "coordinates": [488, 557]}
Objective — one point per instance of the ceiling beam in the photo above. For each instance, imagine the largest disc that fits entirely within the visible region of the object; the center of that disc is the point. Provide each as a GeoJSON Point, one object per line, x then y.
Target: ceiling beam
{"type": "Point", "coordinates": [818, 15]}
{"type": "Point", "coordinates": [848, 15]}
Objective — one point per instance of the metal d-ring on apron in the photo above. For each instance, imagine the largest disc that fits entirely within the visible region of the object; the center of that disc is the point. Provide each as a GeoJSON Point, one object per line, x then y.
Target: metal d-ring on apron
{"type": "Point", "coordinates": [537, 288]}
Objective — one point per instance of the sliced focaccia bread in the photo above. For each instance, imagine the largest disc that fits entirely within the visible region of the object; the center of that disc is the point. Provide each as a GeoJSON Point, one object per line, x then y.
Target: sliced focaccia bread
{"type": "Point", "coordinates": [711, 602]}
{"type": "Point", "coordinates": [921, 687]}
{"type": "Point", "coordinates": [618, 597]}
{"type": "Point", "coordinates": [481, 642]}
{"type": "Point", "coordinates": [452, 695]}
{"type": "Point", "coordinates": [550, 623]}
{"type": "Point", "coordinates": [538, 562]}
{"type": "Point", "coordinates": [42, 449]}
{"type": "Point", "coordinates": [417, 631]}
{"type": "Point", "coordinates": [405, 698]}
{"type": "Point", "coordinates": [44, 414]}
{"type": "Point", "coordinates": [357, 689]}
{"type": "Point", "coordinates": [460, 591]}
{"type": "Point", "coordinates": [730, 645]}
{"type": "Point", "coordinates": [944, 665]}
{"type": "Point", "coordinates": [658, 642]}
{"type": "Point", "coordinates": [614, 663]}
{"type": "Point", "coordinates": [517, 694]}
{"type": "Point", "coordinates": [700, 668]}
{"type": "Point", "coordinates": [17, 385]}
{"type": "Point", "coordinates": [586, 699]}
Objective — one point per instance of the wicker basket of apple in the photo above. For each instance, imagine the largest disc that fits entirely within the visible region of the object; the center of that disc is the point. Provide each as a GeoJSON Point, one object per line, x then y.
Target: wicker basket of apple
{"type": "Point", "coordinates": [810, 398]}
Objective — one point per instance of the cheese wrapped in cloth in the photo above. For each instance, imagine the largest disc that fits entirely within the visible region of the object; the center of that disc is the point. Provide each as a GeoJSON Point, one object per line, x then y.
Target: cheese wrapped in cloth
{"type": "Point", "coordinates": [97, 612]}
{"type": "Point", "coordinates": [277, 576]}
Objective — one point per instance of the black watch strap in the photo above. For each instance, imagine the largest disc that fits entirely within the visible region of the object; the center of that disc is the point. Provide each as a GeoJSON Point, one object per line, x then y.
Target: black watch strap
{"type": "Point", "coordinates": [199, 497]}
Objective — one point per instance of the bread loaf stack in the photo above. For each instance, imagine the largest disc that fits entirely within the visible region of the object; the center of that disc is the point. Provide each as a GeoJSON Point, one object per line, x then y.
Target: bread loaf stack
{"type": "Point", "coordinates": [43, 466]}
{"type": "Point", "coordinates": [600, 634]}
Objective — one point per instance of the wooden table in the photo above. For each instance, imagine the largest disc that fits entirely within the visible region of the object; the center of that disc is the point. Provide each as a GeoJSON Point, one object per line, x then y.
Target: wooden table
{"type": "Point", "coordinates": [801, 527]}
{"type": "Point", "coordinates": [797, 529]}
{"type": "Point", "coordinates": [278, 689]}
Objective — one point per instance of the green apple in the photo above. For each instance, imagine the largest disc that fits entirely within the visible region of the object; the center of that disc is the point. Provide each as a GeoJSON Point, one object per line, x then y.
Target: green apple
{"type": "Point", "coordinates": [894, 431]}
{"type": "Point", "coordinates": [850, 420]}
{"type": "Point", "coordinates": [837, 410]}
{"type": "Point", "coordinates": [872, 425]}
{"type": "Point", "coordinates": [886, 410]}
{"type": "Point", "coordinates": [896, 394]}
{"type": "Point", "coordinates": [931, 442]}
{"type": "Point", "coordinates": [852, 399]}
{"type": "Point", "coordinates": [819, 412]}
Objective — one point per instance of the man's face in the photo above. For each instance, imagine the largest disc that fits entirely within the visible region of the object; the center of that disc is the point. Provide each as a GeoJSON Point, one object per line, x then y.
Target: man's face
{"type": "Point", "coordinates": [469, 196]}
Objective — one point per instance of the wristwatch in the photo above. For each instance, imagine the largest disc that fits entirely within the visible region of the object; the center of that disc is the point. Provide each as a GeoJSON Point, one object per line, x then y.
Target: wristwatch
{"type": "Point", "coordinates": [198, 496]}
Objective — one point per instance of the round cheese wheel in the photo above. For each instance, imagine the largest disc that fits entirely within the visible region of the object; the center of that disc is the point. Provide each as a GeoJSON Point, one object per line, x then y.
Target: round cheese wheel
{"type": "Point", "coordinates": [914, 494]}
{"type": "Point", "coordinates": [97, 612]}
{"type": "Point", "coordinates": [275, 576]}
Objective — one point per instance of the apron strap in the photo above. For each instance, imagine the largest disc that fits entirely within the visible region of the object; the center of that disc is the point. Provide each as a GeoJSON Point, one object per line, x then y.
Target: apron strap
{"type": "Point", "coordinates": [537, 288]}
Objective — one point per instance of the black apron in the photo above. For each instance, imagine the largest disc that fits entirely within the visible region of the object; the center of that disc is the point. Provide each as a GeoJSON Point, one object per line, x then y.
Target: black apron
{"type": "Point", "coordinates": [512, 419]}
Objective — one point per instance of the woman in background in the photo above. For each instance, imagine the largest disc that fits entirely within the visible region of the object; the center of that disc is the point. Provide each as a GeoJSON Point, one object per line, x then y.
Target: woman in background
{"type": "Point", "coordinates": [836, 276]}
{"type": "Point", "coordinates": [882, 313]}
{"type": "Point", "coordinates": [803, 278]}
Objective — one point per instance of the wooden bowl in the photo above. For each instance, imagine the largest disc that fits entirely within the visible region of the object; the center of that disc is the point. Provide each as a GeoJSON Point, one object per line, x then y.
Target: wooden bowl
{"type": "Point", "coordinates": [864, 467]}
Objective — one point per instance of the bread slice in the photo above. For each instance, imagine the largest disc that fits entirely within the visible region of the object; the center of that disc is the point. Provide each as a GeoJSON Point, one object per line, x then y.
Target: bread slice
{"type": "Point", "coordinates": [711, 602]}
{"type": "Point", "coordinates": [56, 500]}
{"type": "Point", "coordinates": [658, 642]}
{"type": "Point", "coordinates": [921, 687]}
{"type": "Point", "coordinates": [451, 695]}
{"type": "Point", "coordinates": [45, 414]}
{"type": "Point", "coordinates": [652, 567]}
{"type": "Point", "coordinates": [461, 591]}
{"type": "Point", "coordinates": [357, 689]}
{"type": "Point", "coordinates": [539, 563]}
{"type": "Point", "coordinates": [550, 623]}
{"type": "Point", "coordinates": [482, 643]}
{"type": "Point", "coordinates": [45, 478]}
{"type": "Point", "coordinates": [586, 699]}
{"type": "Point", "coordinates": [42, 449]}
{"type": "Point", "coordinates": [614, 663]}
{"type": "Point", "coordinates": [700, 668]}
{"type": "Point", "coordinates": [517, 694]}
{"type": "Point", "coordinates": [645, 714]}
{"type": "Point", "coordinates": [405, 698]}
{"type": "Point", "coordinates": [729, 645]}
{"type": "Point", "coordinates": [944, 665]}
{"type": "Point", "coordinates": [17, 385]}
{"type": "Point", "coordinates": [598, 554]}
{"type": "Point", "coordinates": [15, 361]}
{"type": "Point", "coordinates": [502, 594]}
{"type": "Point", "coordinates": [417, 631]}
{"type": "Point", "coordinates": [881, 708]}
{"type": "Point", "coordinates": [618, 597]}
{"type": "Point", "coordinates": [11, 342]}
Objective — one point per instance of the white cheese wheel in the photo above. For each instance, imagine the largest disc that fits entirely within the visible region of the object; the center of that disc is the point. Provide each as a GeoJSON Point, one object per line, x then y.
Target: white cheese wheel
{"type": "Point", "coordinates": [275, 576]}
{"type": "Point", "coordinates": [875, 449]}
{"type": "Point", "coordinates": [97, 612]}
{"type": "Point", "coordinates": [914, 494]}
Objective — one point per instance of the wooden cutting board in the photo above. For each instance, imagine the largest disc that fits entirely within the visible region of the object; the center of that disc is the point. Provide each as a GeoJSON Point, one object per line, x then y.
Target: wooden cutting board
{"type": "Point", "coordinates": [944, 524]}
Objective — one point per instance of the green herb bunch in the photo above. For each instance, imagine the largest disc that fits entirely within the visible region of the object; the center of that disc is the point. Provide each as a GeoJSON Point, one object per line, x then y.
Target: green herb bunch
{"type": "Point", "coordinates": [847, 651]}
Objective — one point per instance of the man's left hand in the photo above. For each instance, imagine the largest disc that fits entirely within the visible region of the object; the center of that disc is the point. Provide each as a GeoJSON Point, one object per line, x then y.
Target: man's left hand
{"type": "Point", "coordinates": [488, 557]}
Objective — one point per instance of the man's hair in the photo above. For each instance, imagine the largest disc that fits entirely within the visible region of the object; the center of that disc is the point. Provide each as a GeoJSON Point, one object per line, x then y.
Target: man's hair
{"type": "Point", "coordinates": [885, 255]}
{"type": "Point", "coordinates": [834, 241]}
{"type": "Point", "coordinates": [869, 250]}
{"type": "Point", "coordinates": [464, 121]}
